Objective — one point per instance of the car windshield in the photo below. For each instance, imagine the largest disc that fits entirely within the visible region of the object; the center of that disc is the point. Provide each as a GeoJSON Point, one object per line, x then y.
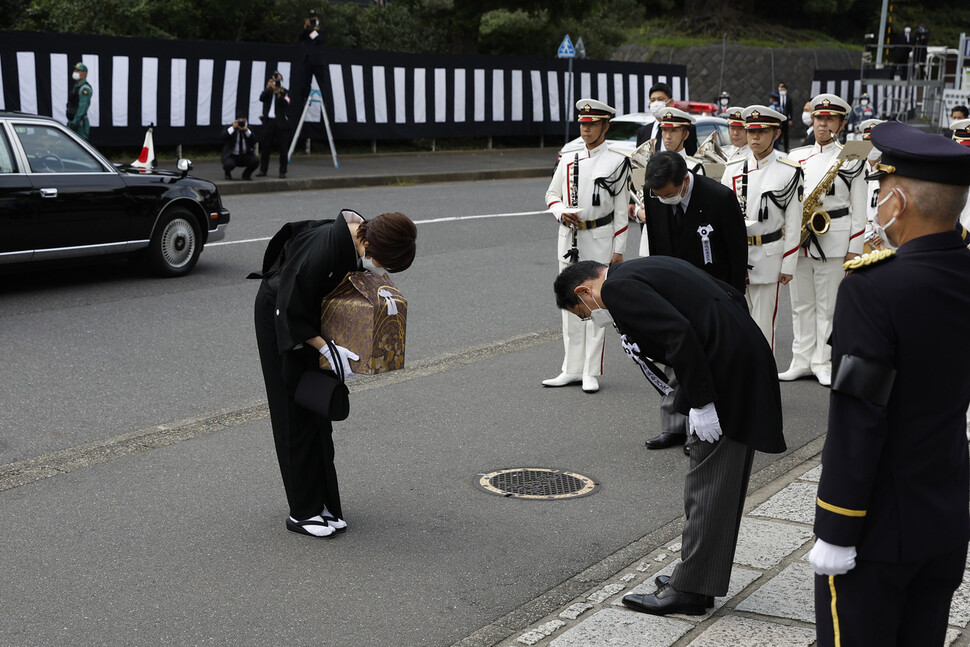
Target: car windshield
{"type": "Point", "coordinates": [50, 150]}
{"type": "Point", "coordinates": [623, 131]}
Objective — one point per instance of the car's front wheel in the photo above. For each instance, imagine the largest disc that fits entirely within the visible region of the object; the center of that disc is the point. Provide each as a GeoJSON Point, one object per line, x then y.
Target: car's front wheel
{"type": "Point", "coordinates": [175, 245]}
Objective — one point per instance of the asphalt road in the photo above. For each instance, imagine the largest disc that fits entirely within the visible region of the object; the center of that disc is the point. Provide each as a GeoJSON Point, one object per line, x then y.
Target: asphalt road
{"type": "Point", "coordinates": [184, 544]}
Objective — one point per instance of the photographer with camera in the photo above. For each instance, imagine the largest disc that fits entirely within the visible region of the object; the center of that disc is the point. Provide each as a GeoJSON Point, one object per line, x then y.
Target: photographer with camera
{"type": "Point", "coordinates": [276, 123]}
{"type": "Point", "coordinates": [238, 147]}
{"type": "Point", "coordinates": [313, 60]}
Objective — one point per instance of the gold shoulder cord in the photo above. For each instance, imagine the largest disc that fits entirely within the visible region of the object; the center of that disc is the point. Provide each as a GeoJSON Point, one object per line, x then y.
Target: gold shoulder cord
{"type": "Point", "coordinates": [867, 260]}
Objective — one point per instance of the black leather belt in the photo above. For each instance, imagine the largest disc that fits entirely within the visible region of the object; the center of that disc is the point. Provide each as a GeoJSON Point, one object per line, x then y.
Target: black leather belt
{"type": "Point", "coordinates": [838, 213]}
{"type": "Point", "coordinates": [583, 225]}
{"type": "Point", "coordinates": [765, 238]}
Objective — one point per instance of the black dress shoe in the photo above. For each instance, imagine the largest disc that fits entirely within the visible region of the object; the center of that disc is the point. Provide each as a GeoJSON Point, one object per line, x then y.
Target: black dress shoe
{"type": "Point", "coordinates": [261, 174]}
{"type": "Point", "coordinates": [248, 176]}
{"type": "Point", "coordinates": [228, 175]}
{"type": "Point", "coordinates": [663, 580]}
{"type": "Point", "coordinates": [282, 176]}
{"type": "Point", "coordinates": [665, 440]}
{"type": "Point", "coordinates": [667, 600]}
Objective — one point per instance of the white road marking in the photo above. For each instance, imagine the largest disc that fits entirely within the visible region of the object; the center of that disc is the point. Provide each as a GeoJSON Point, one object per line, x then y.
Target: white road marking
{"type": "Point", "coordinates": [417, 222]}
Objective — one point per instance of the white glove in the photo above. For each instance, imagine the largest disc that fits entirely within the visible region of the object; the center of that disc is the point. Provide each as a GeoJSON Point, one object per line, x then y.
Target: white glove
{"type": "Point", "coordinates": [829, 559]}
{"type": "Point", "coordinates": [704, 423]}
{"type": "Point", "coordinates": [345, 356]}
{"type": "Point", "coordinates": [557, 210]}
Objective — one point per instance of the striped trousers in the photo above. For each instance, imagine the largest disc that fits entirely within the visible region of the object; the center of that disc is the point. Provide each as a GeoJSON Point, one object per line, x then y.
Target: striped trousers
{"type": "Point", "coordinates": [714, 492]}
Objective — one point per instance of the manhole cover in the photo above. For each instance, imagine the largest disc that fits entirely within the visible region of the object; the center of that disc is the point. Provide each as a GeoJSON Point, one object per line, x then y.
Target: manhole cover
{"type": "Point", "coordinates": [536, 483]}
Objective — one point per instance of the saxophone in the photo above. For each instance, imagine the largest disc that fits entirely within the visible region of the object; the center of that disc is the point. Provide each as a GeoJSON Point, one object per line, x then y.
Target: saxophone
{"type": "Point", "coordinates": [815, 219]}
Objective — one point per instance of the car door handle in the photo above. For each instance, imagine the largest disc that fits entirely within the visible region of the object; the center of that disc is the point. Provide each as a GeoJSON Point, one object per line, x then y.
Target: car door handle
{"type": "Point", "coordinates": [48, 193]}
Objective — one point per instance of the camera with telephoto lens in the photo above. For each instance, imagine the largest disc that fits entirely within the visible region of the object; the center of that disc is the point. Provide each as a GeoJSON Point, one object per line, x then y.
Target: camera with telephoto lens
{"type": "Point", "coordinates": [242, 124]}
{"type": "Point", "coordinates": [314, 21]}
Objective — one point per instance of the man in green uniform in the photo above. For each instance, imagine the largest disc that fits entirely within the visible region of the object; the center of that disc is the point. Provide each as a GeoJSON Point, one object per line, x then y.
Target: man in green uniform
{"type": "Point", "coordinates": [78, 102]}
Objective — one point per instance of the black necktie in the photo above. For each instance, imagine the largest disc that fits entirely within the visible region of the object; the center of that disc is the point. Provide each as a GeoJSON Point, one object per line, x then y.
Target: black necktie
{"type": "Point", "coordinates": [678, 218]}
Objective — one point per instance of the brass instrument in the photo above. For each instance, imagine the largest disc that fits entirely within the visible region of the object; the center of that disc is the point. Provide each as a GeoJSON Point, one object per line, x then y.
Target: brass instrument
{"type": "Point", "coordinates": [815, 219]}
{"type": "Point", "coordinates": [638, 162]}
{"type": "Point", "coordinates": [710, 150]}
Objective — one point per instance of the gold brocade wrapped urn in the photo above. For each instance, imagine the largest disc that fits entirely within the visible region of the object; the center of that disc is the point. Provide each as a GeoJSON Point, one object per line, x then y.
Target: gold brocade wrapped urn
{"type": "Point", "coordinates": [367, 314]}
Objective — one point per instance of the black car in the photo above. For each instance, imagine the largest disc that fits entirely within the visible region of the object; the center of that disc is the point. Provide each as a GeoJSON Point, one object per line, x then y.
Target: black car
{"type": "Point", "coordinates": [61, 199]}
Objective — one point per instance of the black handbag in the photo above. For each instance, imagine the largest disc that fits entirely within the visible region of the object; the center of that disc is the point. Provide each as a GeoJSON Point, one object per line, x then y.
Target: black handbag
{"type": "Point", "coordinates": [324, 392]}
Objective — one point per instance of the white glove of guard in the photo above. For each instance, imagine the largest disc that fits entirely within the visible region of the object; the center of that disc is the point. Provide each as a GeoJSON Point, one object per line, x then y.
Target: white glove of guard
{"type": "Point", "coordinates": [704, 423]}
{"type": "Point", "coordinates": [829, 559]}
{"type": "Point", "coordinates": [345, 356]}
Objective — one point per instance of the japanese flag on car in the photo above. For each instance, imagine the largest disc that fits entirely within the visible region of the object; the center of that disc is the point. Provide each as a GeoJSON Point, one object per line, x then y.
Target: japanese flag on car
{"type": "Point", "coordinates": [146, 160]}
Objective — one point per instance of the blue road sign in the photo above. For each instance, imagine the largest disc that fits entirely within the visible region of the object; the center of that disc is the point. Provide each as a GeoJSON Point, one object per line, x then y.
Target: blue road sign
{"type": "Point", "coordinates": [566, 49]}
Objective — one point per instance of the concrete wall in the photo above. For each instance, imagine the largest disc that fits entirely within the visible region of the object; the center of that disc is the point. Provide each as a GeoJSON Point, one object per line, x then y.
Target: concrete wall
{"type": "Point", "coordinates": [750, 74]}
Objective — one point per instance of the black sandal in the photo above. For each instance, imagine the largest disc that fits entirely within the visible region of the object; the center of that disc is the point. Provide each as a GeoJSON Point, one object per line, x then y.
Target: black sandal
{"type": "Point", "coordinates": [298, 527]}
{"type": "Point", "coordinates": [328, 517]}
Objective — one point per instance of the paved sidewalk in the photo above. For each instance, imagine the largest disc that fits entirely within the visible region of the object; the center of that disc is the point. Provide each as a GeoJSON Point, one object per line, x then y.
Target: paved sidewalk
{"type": "Point", "coordinates": [382, 169]}
{"type": "Point", "coordinates": [770, 601]}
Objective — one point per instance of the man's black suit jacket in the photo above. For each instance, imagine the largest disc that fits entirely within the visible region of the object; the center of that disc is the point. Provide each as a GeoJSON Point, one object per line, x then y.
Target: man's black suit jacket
{"type": "Point", "coordinates": [710, 204]}
{"type": "Point", "coordinates": [282, 108]}
{"type": "Point", "coordinates": [681, 317]}
{"type": "Point", "coordinates": [229, 140]}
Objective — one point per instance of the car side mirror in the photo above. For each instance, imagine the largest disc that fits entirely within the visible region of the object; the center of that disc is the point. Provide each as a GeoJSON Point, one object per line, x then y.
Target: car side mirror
{"type": "Point", "coordinates": [184, 165]}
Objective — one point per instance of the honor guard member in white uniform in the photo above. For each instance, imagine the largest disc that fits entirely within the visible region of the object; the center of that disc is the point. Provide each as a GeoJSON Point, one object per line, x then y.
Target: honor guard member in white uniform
{"type": "Point", "coordinates": [769, 188]}
{"type": "Point", "coordinates": [675, 127]}
{"type": "Point", "coordinates": [818, 271]}
{"type": "Point", "coordinates": [738, 149]}
{"type": "Point", "coordinates": [961, 135]}
{"type": "Point", "coordinates": [588, 196]}
{"type": "Point", "coordinates": [872, 239]}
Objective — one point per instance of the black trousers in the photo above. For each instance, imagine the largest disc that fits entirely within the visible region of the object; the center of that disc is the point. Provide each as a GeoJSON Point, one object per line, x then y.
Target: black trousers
{"type": "Point", "coordinates": [273, 136]}
{"type": "Point", "coordinates": [888, 605]}
{"type": "Point", "coordinates": [304, 440]}
{"type": "Point", "coordinates": [249, 161]}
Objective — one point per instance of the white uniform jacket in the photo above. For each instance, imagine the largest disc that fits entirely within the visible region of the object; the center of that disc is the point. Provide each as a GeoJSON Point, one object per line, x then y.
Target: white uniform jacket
{"type": "Point", "coordinates": [773, 207]}
{"type": "Point", "coordinates": [734, 153]}
{"type": "Point", "coordinates": [600, 243]}
{"type": "Point", "coordinates": [847, 196]}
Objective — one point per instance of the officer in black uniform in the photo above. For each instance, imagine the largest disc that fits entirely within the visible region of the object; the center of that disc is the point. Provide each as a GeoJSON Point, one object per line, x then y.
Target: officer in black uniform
{"type": "Point", "coordinates": [891, 515]}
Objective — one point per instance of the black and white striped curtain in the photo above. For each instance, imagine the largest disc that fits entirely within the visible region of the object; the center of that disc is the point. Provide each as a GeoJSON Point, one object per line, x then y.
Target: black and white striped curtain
{"type": "Point", "coordinates": [889, 101]}
{"type": "Point", "coordinates": [190, 89]}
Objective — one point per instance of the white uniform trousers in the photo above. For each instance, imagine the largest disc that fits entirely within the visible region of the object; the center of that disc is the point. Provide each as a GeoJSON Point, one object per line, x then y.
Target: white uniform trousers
{"type": "Point", "coordinates": [585, 345]}
{"type": "Point", "coordinates": [763, 305]}
{"type": "Point", "coordinates": [813, 291]}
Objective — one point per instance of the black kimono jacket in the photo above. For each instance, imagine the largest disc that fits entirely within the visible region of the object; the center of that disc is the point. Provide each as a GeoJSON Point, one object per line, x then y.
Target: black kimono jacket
{"type": "Point", "coordinates": [303, 263]}
{"type": "Point", "coordinates": [678, 315]}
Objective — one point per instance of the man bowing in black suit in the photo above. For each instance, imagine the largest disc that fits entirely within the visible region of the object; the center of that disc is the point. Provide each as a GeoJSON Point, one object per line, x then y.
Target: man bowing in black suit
{"type": "Point", "coordinates": [668, 310]}
{"type": "Point", "coordinates": [697, 219]}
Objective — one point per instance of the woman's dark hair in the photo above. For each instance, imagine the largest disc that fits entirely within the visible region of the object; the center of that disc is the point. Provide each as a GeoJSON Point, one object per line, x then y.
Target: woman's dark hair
{"type": "Point", "coordinates": [664, 168]}
{"type": "Point", "coordinates": [570, 278]}
{"type": "Point", "coordinates": [390, 240]}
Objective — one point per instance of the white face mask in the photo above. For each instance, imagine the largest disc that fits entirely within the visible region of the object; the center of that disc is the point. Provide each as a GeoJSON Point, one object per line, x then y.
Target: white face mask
{"type": "Point", "coordinates": [807, 118]}
{"type": "Point", "coordinates": [368, 264]}
{"type": "Point", "coordinates": [601, 318]}
{"type": "Point", "coordinates": [724, 102]}
{"type": "Point", "coordinates": [76, 76]}
{"type": "Point", "coordinates": [881, 229]}
{"type": "Point", "coordinates": [673, 200]}
{"type": "Point", "coordinates": [783, 93]}
{"type": "Point", "coordinates": [657, 105]}
{"type": "Point", "coordinates": [865, 102]}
